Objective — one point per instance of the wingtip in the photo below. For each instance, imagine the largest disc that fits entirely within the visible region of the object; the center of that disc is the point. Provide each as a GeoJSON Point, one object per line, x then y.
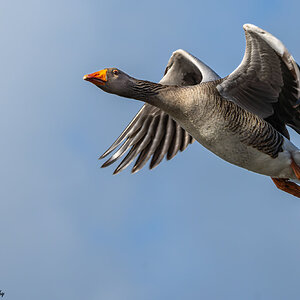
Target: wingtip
{"type": "Point", "coordinates": [134, 170]}
{"type": "Point", "coordinates": [105, 154]}
{"type": "Point", "coordinates": [178, 51]}
{"type": "Point", "coordinates": [153, 166]}
{"type": "Point", "coordinates": [249, 26]}
{"type": "Point", "coordinates": [117, 171]}
{"type": "Point", "coordinates": [106, 164]}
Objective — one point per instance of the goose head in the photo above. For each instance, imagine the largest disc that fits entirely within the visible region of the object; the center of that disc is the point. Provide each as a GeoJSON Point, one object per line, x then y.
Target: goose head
{"type": "Point", "coordinates": [113, 81]}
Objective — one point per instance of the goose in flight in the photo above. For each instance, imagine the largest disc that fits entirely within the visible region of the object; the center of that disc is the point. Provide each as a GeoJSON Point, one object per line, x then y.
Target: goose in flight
{"type": "Point", "coordinates": [241, 118]}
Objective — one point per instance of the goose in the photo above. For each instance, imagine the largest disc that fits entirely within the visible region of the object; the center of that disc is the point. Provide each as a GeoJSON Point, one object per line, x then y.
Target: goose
{"type": "Point", "coordinates": [241, 118]}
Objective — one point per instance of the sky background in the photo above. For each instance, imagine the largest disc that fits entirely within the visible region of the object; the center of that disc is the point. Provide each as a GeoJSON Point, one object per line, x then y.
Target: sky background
{"type": "Point", "coordinates": [193, 228]}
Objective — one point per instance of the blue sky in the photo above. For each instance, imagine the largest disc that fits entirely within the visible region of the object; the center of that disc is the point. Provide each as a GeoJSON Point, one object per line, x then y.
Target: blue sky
{"type": "Point", "coordinates": [193, 228]}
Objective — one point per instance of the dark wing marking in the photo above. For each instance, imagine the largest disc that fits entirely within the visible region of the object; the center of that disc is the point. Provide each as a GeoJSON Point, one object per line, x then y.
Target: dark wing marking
{"type": "Point", "coordinates": [267, 82]}
{"type": "Point", "coordinates": [152, 132]}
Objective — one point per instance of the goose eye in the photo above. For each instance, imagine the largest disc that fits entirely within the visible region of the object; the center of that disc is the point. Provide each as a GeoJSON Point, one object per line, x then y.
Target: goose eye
{"type": "Point", "coordinates": [115, 72]}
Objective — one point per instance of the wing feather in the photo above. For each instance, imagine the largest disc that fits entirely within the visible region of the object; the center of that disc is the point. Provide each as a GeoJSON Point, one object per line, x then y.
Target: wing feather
{"type": "Point", "coordinates": [185, 140]}
{"type": "Point", "coordinates": [132, 127]}
{"type": "Point", "coordinates": [163, 148]}
{"type": "Point", "coordinates": [267, 82]}
{"type": "Point", "coordinates": [131, 155]}
{"type": "Point", "coordinates": [176, 142]}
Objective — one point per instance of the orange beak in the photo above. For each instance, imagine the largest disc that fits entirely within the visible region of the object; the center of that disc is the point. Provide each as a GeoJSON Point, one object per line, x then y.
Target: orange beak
{"type": "Point", "coordinates": [98, 78]}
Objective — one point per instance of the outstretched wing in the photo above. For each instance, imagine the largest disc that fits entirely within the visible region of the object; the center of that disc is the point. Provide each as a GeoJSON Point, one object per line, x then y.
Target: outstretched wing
{"type": "Point", "coordinates": [267, 82]}
{"type": "Point", "coordinates": [152, 132]}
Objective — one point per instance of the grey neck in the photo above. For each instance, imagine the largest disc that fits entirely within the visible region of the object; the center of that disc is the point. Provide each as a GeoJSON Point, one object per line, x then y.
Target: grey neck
{"type": "Point", "coordinates": [170, 99]}
{"type": "Point", "coordinates": [144, 90]}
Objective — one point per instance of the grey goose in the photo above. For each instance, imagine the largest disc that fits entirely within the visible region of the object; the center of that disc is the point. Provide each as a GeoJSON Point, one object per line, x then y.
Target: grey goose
{"type": "Point", "coordinates": [241, 118]}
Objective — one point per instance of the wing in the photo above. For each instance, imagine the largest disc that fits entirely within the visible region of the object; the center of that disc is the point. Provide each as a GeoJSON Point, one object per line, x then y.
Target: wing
{"type": "Point", "coordinates": [267, 82]}
{"type": "Point", "coordinates": [152, 132]}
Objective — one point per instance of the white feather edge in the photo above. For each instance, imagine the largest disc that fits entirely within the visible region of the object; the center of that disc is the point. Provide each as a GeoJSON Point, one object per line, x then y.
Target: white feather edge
{"type": "Point", "coordinates": [207, 73]}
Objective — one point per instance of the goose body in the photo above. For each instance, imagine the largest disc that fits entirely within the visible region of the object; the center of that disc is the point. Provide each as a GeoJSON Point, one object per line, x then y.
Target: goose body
{"type": "Point", "coordinates": [241, 118]}
{"type": "Point", "coordinates": [227, 130]}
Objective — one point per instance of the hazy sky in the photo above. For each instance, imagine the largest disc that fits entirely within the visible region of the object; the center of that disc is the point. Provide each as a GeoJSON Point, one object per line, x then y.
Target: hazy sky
{"type": "Point", "coordinates": [193, 228]}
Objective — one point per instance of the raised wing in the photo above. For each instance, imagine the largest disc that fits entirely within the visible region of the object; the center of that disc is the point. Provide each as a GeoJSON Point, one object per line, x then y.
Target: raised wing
{"type": "Point", "coordinates": [152, 132]}
{"type": "Point", "coordinates": [185, 69]}
{"type": "Point", "coordinates": [267, 82]}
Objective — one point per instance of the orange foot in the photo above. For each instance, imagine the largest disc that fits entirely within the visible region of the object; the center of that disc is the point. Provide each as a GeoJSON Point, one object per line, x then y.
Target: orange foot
{"type": "Point", "coordinates": [288, 186]}
{"type": "Point", "coordinates": [296, 169]}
